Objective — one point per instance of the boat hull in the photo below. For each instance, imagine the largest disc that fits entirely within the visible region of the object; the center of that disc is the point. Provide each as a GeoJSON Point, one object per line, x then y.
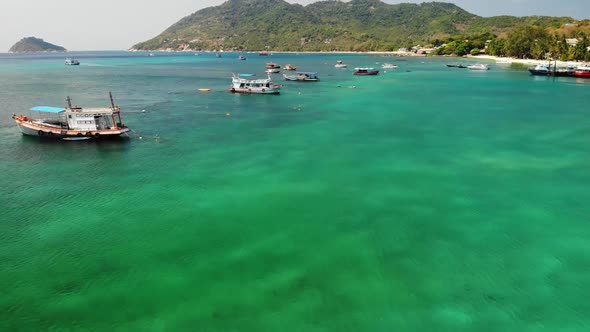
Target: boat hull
{"type": "Point", "coordinates": [298, 79]}
{"type": "Point", "coordinates": [29, 128]}
{"type": "Point", "coordinates": [538, 72]}
{"type": "Point", "coordinates": [582, 74]}
{"type": "Point", "coordinates": [264, 91]}
{"type": "Point", "coordinates": [374, 72]}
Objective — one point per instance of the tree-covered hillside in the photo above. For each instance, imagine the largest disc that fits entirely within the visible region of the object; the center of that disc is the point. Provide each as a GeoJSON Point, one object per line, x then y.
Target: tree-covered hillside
{"type": "Point", "coordinates": [357, 25]}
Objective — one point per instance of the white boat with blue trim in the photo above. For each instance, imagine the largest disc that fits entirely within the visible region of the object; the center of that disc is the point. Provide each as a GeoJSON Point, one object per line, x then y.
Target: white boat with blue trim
{"type": "Point", "coordinates": [247, 83]}
{"type": "Point", "coordinates": [73, 122]}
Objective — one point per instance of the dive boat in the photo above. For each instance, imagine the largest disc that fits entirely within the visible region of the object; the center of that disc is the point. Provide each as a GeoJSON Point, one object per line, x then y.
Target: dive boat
{"type": "Point", "coordinates": [272, 65]}
{"type": "Point", "coordinates": [340, 64]}
{"type": "Point", "coordinates": [244, 83]}
{"type": "Point", "coordinates": [582, 71]}
{"type": "Point", "coordinates": [478, 66]}
{"type": "Point", "coordinates": [365, 71]}
{"type": "Point", "coordinates": [289, 67]}
{"type": "Point", "coordinates": [539, 70]}
{"type": "Point", "coordinates": [72, 62]}
{"type": "Point", "coordinates": [73, 122]}
{"type": "Point", "coordinates": [303, 77]}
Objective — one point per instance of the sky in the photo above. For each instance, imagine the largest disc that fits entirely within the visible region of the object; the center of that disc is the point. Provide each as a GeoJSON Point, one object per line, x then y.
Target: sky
{"type": "Point", "coordinates": [119, 24]}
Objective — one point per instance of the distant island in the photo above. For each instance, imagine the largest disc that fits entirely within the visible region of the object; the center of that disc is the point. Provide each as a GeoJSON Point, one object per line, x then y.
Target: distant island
{"type": "Point", "coordinates": [369, 26]}
{"type": "Point", "coordinates": [32, 44]}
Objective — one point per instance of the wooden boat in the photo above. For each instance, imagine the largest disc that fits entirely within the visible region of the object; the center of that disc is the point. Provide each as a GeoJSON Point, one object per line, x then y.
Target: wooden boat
{"type": "Point", "coordinates": [289, 67]}
{"type": "Point", "coordinates": [365, 71]}
{"type": "Point", "coordinates": [303, 77]}
{"type": "Point", "coordinates": [245, 83]}
{"type": "Point", "coordinates": [73, 122]}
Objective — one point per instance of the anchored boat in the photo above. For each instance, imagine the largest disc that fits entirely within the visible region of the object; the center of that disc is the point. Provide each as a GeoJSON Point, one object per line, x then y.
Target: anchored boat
{"type": "Point", "coordinates": [244, 83]}
{"type": "Point", "coordinates": [303, 77]}
{"type": "Point", "coordinates": [340, 64]}
{"type": "Point", "coordinates": [72, 62]}
{"type": "Point", "coordinates": [365, 71]}
{"type": "Point", "coordinates": [73, 122]}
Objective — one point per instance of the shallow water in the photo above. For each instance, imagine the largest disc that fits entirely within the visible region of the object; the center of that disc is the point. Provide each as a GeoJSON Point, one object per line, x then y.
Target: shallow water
{"type": "Point", "coordinates": [423, 199]}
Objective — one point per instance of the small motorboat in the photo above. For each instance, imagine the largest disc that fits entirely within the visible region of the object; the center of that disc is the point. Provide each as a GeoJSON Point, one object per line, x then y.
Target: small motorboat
{"type": "Point", "coordinates": [303, 77]}
{"type": "Point", "coordinates": [340, 64]}
{"type": "Point", "coordinates": [539, 70]}
{"type": "Point", "coordinates": [289, 67]}
{"type": "Point", "coordinates": [241, 57]}
{"type": "Point", "coordinates": [388, 66]}
{"type": "Point", "coordinates": [582, 71]}
{"type": "Point", "coordinates": [478, 66]}
{"type": "Point", "coordinates": [273, 70]}
{"type": "Point", "coordinates": [72, 62]}
{"type": "Point", "coordinates": [365, 71]}
{"type": "Point", "coordinates": [272, 65]}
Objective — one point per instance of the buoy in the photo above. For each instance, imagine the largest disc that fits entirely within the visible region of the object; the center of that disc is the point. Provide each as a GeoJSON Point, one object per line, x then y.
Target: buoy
{"type": "Point", "coordinates": [204, 90]}
{"type": "Point", "coordinates": [142, 111]}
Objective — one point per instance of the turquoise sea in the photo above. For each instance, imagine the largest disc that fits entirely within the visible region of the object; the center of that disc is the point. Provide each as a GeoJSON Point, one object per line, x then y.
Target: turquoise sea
{"type": "Point", "coordinates": [423, 199]}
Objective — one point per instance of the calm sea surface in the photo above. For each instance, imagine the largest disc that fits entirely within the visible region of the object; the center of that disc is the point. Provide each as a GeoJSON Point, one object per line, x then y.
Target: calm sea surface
{"type": "Point", "coordinates": [423, 199]}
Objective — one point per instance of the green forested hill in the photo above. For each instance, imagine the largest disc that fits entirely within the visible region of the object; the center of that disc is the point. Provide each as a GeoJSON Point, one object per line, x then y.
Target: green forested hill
{"type": "Point", "coordinates": [357, 25]}
{"type": "Point", "coordinates": [32, 44]}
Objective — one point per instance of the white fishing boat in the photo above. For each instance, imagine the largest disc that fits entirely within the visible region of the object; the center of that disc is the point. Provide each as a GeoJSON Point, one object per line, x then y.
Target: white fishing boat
{"type": "Point", "coordinates": [478, 66]}
{"type": "Point", "coordinates": [245, 83]}
{"type": "Point", "coordinates": [72, 62]}
{"type": "Point", "coordinates": [340, 64]}
{"type": "Point", "coordinates": [389, 66]}
{"type": "Point", "coordinates": [73, 122]}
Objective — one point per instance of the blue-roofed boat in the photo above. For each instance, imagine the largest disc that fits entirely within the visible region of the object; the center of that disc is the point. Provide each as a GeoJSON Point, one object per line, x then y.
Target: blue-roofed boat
{"type": "Point", "coordinates": [302, 76]}
{"type": "Point", "coordinates": [73, 122]}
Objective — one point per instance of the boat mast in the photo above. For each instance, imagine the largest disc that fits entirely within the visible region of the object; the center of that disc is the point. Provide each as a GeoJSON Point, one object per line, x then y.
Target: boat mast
{"type": "Point", "coordinates": [112, 102]}
{"type": "Point", "coordinates": [118, 111]}
{"type": "Point", "coordinates": [69, 100]}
